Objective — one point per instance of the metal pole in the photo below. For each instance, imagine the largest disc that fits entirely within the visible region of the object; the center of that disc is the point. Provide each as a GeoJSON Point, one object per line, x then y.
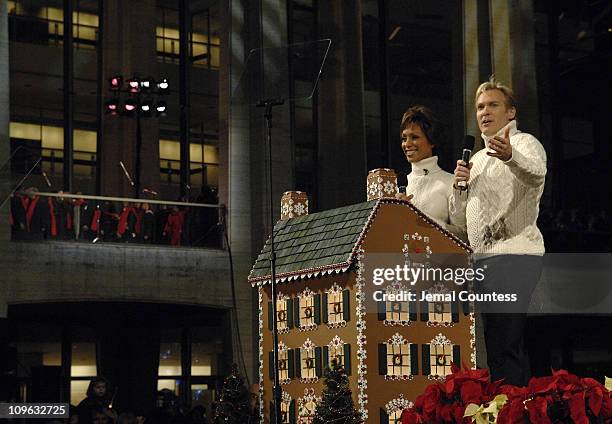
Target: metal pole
{"type": "Point", "coordinates": [68, 98]}
{"type": "Point", "coordinates": [99, 97]}
{"type": "Point", "coordinates": [138, 149]}
{"type": "Point", "coordinates": [276, 390]}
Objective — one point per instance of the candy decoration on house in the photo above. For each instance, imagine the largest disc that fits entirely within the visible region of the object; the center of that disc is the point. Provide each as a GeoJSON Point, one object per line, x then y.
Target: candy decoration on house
{"type": "Point", "coordinates": [325, 310]}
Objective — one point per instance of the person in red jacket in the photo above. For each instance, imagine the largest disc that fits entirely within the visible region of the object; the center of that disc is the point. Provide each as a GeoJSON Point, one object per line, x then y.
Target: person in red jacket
{"type": "Point", "coordinates": [174, 226]}
{"type": "Point", "coordinates": [126, 228]}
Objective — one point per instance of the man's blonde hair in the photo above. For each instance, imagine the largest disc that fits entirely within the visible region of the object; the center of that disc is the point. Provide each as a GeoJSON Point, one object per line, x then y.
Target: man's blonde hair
{"type": "Point", "coordinates": [493, 84]}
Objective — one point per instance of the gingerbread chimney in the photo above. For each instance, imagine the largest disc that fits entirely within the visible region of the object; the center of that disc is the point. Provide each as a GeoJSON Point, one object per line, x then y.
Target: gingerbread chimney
{"type": "Point", "coordinates": [294, 204]}
{"type": "Point", "coordinates": [382, 182]}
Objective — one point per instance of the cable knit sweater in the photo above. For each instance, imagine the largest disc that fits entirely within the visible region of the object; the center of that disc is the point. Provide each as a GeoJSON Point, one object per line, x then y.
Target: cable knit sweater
{"type": "Point", "coordinates": [501, 206]}
{"type": "Point", "coordinates": [431, 187]}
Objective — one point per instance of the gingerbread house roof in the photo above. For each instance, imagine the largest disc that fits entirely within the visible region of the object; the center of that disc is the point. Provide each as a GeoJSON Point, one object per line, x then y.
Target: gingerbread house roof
{"type": "Point", "coordinates": [321, 243]}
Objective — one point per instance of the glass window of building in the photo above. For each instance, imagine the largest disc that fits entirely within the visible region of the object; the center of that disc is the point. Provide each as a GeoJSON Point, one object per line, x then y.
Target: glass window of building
{"type": "Point", "coordinates": [411, 50]}
{"type": "Point", "coordinates": [169, 372]}
{"type": "Point", "coordinates": [82, 369]}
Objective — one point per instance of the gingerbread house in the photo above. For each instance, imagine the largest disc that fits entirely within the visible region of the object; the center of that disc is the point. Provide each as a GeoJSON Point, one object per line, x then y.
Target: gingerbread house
{"type": "Point", "coordinates": [329, 308]}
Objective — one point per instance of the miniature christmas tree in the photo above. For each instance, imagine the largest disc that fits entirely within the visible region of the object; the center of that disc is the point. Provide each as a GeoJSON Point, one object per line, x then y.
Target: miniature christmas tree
{"type": "Point", "coordinates": [234, 404]}
{"type": "Point", "coordinates": [337, 403]}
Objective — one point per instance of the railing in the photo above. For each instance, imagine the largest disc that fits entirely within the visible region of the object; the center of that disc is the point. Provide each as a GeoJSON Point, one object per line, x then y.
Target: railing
{"type": "Point", "coordinates": [38, 216]}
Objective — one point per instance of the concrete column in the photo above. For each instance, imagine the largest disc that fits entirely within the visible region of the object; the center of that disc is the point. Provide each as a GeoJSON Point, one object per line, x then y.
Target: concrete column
{"type": "Point", "coordinates": [129, 49]}
{"type": "Point", "coordinates": [471, 67]}
{"type": "Point", "coordinates": [513, 48]}
{"type": "Point", "coordinates": [235, 168]}
{"type": "Point", "coordinates": [342, 166]}
{"type": "Point", "coordinates": [5, 149]}
{"type": "Point", "coordinates": [268, 30]}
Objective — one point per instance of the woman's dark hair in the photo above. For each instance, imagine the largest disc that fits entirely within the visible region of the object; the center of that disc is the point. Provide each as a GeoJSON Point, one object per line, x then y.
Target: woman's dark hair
{"type": "Point", "coordinates": [425, 119]}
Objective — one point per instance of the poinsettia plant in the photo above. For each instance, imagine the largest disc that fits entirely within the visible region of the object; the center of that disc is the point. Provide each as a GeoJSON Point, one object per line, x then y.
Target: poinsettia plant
{"type": "Point", "coordinates": [557, 399]}
{"type": "Point", "coordinates": [445, 403]}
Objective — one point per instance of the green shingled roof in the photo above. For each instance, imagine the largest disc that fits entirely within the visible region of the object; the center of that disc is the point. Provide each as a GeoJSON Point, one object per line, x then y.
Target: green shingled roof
{"type": "Point", "coordinates": [314, 241]}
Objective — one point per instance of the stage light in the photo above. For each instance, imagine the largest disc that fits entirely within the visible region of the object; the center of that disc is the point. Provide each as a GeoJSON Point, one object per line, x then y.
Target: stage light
{"type": "Point", "coordinates": [129, 106]}
{"type": "Point", "coordinates": [163, 86]}
{"type": "Point", "coordinates": [115, 82]}
{"type": "Point", "coordinates": [146, 84]}
{"type": "Point", "coordinates": [134, 85]}
{"type": "Point", "coordinates": [146, 107]}
{"type": "Point", "coordinates": [112, 106]}
{"type": "Point", "coordinates": [161, 108]}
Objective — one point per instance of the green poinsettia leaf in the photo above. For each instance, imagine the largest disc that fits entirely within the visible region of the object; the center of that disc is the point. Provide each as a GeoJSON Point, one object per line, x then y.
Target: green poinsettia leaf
{"type": "Point", "coordinates": [480, 419]}
{"type": "Point", "coordinates": [609, 384]}
{"type": "Point", "coordinates": [471, 410]}
{"type": "Point", "coordinates": [500, 401]}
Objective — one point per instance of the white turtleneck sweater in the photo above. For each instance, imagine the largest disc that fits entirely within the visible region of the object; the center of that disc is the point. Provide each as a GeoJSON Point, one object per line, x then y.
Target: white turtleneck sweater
{"type": "Point", "coordinates": [500, 208]}
{"type": "Point", "coordinates": [432, 188]}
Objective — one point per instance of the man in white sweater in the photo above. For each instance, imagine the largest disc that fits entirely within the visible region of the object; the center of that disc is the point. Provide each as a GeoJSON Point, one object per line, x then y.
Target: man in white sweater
{"type": "Point", "coordinates": [499, 211]}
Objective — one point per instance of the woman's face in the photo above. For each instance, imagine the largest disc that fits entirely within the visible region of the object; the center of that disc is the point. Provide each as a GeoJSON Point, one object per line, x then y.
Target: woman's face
{"type": "Point", "coordinates": [415, 144]}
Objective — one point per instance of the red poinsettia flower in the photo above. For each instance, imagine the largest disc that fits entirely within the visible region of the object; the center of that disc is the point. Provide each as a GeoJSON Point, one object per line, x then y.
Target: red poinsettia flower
{"type": "Point", "coordinates": [409, 416]}
{"type": "Point", "coordinates": [431, 399]}
{"type": "Point", "coordinates": [578, 409]}
{"type": "Point", "coordinates": [513, 412]}
{"type": "Point", "coordinates": [542, 385]}
{"type": "Point", "coordinates": [471, 392]}
{"type": "Point", "coordinates": [594, 394]}
{"type": "Point", "coordinates": [537, 409]}
{"type": "Point", "coordinates": [558, 398]}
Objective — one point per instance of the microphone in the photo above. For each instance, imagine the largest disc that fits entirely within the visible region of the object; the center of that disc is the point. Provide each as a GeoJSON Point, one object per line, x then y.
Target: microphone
{"type": "Point", "coordinates": [468, 146]}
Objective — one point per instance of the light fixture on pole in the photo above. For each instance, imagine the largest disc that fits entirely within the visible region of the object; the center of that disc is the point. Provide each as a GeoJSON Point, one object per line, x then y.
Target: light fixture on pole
{"type": "Point", "coordinates": [143, 98]}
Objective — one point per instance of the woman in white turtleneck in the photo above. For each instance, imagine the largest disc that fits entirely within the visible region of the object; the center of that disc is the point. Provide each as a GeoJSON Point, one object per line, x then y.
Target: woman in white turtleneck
{"type": "Point", "coordinates": [429, 187]}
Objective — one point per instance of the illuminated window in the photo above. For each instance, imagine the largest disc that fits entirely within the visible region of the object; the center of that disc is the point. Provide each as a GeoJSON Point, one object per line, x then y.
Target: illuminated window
{"type": "Point", "coordinates": [307, 406]}
{"type": "Point", "coordinates": [439, 355]}
{"type": "Point", "coordinates": [84, 25]}
{"type": "Point", "coordinates": [204, 41]}
{"type": "Point", "coordinates": [392, 411]}
{"type": "Point", "coordinates": [336, 307]}
{"type": "Point", "coordinates": [397, 359]}
{"type": "Point", "coordinates": [308, 363]}
{"type": "Point", "coordinates": [336, 354]}
{"type": "Point", "coordinates": [281, 313]}
{"type": "Point", "coordinates": [204, 163]}
{"type": "Point", "coordinates": [204, 358]}
{"type": "Point", "coordinates": [287, 409]}
{"type": "Point", "coordinates": [51, 141]}
{"type": "Point", "coordinates": [442, 310]}
{"type": "Point", "coordinates": [286, 360]}
{"type": "Point", "coordinates": [398, 308]}
{"type": "Point", "coordinates": [170, 369]}
{"type": "Point", "coordinates": [395, 417]}
{"type": "Point", "coordinates": [307, 310]}
{"type": "Point", "coordinates": [284, 313]}
{"type": "Point", "coordinates": [338, 351]}
{"type": "Point", "coordinates": [82, 369]}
